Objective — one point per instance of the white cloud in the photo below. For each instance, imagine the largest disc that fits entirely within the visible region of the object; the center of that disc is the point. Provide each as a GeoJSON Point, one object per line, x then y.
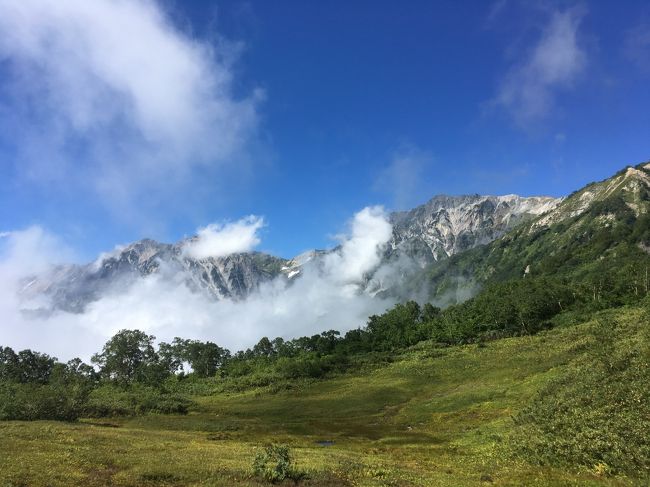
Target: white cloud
{"type": "Point", "coordinates": [218, 240]}
{"type": "Point", "coordinates": [360, 251]}
{"type": "Point", "coordinates": [109, 93]}
{"type": "Point", "coordinates": [24, 253]}
{"type": "Point", "coordinates": [31, 250]}
{"type": "Point", "coordinates": [529, 89]}
{"type": "Point", "coordinates": [328, 295]}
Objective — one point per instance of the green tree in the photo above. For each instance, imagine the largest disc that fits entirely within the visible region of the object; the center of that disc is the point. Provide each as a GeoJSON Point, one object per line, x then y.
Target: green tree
{"type": "Point", "coordinates": [25, 366]}
{"type": "Point", "coordinates": [205, 358]}
{"type": "Point", "coordinates": [397, 327]}
{"type": "Point", "coordinates": [129, 356]}
{"type": "Point", "coordinates": [9, 365]}
{"type": "Point", "coordinates": [263, 348]}
{"type": "Point", "coordinates": [430, 312]}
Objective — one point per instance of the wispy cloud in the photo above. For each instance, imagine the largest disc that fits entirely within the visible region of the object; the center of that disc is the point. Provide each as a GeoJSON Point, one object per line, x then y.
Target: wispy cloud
{"type": "Point", "coordinates": [221, 239]}
{"type": "Point", "coordinates": [403, 179]}
{"type": "Point", "coordinates": [528, 90]}
{"type": "Point", "coordinates": [31, 250]}
{"type": "Point", "coordinates": [495, 11]}
{"type": "Point", "coordinates": [637, 45]}
{"type": "Point", "coordinates": [111, 95]}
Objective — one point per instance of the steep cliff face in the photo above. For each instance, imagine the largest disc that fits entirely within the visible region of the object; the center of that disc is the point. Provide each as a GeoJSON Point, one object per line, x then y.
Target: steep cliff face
{"type": "Point", "coordinates": [447, 225]}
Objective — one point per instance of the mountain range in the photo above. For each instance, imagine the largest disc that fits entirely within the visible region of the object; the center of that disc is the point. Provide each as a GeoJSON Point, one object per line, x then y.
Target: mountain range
{"type": "Point", "coordinates": [451, 245]}
{"type": "Point", "coordinates": [442, 227]}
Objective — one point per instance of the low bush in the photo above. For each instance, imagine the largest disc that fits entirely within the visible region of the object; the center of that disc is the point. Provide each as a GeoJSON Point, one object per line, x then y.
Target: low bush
{"type": "Point", "coordinates": [274, 464]}
{"type": "Point", "coordinates": [111, 400]}
{"type": "Point", "coordinates": [41, 401]}
{"type": "Point", "coordinates": [310, 366]}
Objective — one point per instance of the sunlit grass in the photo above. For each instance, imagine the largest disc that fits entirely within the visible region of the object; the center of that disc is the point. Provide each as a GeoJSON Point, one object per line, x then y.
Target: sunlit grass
{"type": "Point", "coordinates": [432, 417]}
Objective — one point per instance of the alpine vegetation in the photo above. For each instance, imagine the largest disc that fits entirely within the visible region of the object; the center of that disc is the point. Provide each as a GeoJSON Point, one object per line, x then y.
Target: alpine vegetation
{"type": "Point", "coordinates": [248, 243]}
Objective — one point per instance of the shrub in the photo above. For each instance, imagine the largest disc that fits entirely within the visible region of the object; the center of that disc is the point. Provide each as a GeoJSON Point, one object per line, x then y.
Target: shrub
{"type": "Point", "coordinates": [274, 464]}
{"type": "Point", "coordinates": [40, 401]}
{"type": "Point", "coordinates": [110, 400]}
{"type": "Point", "coordinates": [595, 414]}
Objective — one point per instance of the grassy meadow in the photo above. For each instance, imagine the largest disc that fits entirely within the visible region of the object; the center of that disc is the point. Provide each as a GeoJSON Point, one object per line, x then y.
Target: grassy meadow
{"type": "Point", "coordinates": [433, 416]}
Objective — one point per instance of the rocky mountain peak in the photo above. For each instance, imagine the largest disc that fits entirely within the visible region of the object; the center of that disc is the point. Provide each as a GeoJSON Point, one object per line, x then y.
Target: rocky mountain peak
{"type": "Point", "coordinates": [443, 226]}
{"type": "Point", "coordinates": [631, 185]}
{"type": "Point", "coordinates": [446, 225]}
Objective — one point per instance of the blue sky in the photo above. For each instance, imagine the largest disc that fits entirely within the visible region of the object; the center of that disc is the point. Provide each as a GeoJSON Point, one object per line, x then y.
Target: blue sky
{"type": "Point", "coordinates": [305, 112]}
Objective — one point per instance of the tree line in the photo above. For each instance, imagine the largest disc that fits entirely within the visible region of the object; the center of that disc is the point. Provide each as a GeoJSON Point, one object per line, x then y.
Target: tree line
{"type": "Point", "coordinates": [130, 366]}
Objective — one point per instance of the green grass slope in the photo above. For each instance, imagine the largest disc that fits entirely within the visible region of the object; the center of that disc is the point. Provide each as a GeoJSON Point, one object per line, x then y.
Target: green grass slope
{"type": "Point", "coordinates": [505, 412]}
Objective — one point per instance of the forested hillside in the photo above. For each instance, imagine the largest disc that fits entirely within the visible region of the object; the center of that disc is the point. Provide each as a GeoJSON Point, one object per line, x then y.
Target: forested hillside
{"type": "Point", "coordinates": [597, 239]}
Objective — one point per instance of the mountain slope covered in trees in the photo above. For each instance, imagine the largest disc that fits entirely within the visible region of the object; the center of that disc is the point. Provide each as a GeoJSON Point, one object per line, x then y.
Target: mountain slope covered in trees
{"type": "Point", "coordinates": [598, 238]}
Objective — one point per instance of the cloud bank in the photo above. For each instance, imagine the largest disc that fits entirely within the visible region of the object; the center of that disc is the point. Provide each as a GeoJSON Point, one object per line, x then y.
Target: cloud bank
{"type": "Point", "coordinates": [219, 240]}
{"type": "Point", "coordinates": [329, 294]}
{"type": "Point", "coordinates": [111, 95]}
{"type": "Point", "coordinates": [529, 88]}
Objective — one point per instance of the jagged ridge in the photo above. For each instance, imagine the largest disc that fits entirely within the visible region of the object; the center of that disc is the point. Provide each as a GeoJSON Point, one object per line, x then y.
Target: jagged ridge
{"type": "Point", "coordinates": [436, 230]}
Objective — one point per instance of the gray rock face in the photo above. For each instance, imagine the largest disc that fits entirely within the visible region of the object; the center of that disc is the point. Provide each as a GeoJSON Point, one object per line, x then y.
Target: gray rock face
{"type": "Point", "coordinates": [436, 230]}
{"type": "Point", "coordinates": [235, 276]}
{"type": "Point", "coordinates": [447, 225]}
